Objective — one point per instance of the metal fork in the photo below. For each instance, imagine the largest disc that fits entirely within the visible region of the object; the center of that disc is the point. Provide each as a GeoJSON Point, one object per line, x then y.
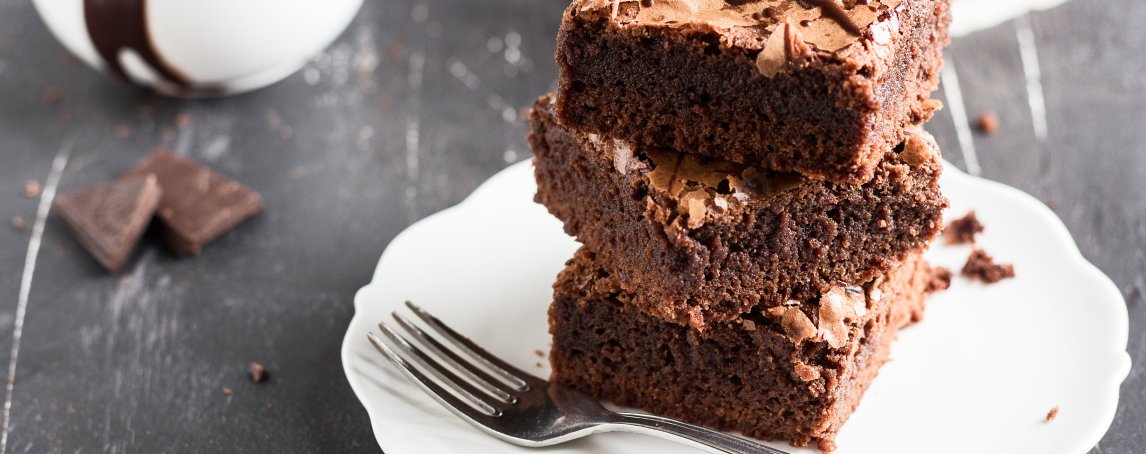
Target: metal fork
{"type": "Point", "coordinates": [515, 406]}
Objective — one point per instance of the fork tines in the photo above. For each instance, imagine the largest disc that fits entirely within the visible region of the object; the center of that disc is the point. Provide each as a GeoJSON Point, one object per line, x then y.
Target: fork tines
{"type": "Point", "coordinates": [489, 377]}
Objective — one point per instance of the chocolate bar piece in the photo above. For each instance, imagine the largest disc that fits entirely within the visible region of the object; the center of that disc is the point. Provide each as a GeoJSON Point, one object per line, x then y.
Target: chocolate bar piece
{"type": "Point", "coordinates": [198, 205]}
{"type": "Point", "coordinates": [109, 219]}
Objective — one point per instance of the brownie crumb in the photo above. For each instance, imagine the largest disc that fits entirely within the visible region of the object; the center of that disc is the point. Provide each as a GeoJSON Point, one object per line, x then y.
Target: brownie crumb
{"type": "Point", "coordinates": [226, 391]}
{"type": "Point", "coordinates": [988, 123]}
{"type": "Point", "coordinates": [539, 365]}
{"type": "Point", "coordinates": [18, 223]}
{"type": "Point", "coordinates": [539, 353]}
{"type": "Point", "coordinates": [940, 279]}
{"type": "Point", "coordinates": [1052, 414]}
{"type": "Point", "coordinates": [31, 189]}
{"type": "Point", "coordinates": [51, 95]}
{"type": "Point", "coordinates": [982, 266]}
{"type": "Point", "coordinates": [182, 120]}
{"type": "Point", "coordinates": [963, 230]}
{"type": "Point", "coordinates": [257, 371]}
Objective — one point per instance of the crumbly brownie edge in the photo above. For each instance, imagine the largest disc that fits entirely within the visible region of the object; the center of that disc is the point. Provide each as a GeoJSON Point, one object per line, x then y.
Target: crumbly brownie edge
{"type": "Point", "coordinates": [746, 375]}
{"type": "Point", "coordinates": [904, 91]}
{"type": "Point", "coordinates": [827, 119]}
{"type": "Point", "coordinates": [793, 246]}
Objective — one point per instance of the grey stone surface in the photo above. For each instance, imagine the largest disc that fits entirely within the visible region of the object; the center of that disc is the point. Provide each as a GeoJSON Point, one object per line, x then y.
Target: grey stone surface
{"type": "Point", "coordinates": [398, 119]}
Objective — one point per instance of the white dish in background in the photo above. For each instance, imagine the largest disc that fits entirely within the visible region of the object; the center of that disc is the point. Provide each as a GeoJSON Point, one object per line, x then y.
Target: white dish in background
{"type": "Point", "coordinates": [219, 46]}
{"type": "Point", "coordinates": [969, 16]}
{"type": "Point", "coordinates": [978, 374]}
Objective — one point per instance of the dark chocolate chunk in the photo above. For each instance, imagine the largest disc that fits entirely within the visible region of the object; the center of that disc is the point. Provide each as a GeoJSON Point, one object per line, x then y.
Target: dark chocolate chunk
{"type": "Point", "coordinates": [109, 219]}
{"type": "Point", "coordinates": [198, 205]}
{"type": "Point", "coordinates": [963, 230]}
{"type": "Point", "coordinates": [981, 266]}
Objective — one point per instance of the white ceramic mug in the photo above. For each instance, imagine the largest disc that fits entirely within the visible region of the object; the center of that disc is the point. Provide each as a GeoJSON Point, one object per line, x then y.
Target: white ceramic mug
{"type": "Point", "coordinates": [193, 48]}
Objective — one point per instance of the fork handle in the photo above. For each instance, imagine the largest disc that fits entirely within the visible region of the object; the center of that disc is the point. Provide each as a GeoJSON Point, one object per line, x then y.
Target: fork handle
{"type": "Point", "coordinates": [696, 436]}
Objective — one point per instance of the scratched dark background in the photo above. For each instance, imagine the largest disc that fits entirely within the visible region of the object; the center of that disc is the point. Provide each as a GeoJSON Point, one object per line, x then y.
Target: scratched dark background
{"type": "Point", "coordinates": [413, 107]}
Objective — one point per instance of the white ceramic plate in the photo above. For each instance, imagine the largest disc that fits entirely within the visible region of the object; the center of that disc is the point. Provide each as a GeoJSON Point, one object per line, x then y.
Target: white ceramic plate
{"type": "Point", "coordinates": [977, 375]}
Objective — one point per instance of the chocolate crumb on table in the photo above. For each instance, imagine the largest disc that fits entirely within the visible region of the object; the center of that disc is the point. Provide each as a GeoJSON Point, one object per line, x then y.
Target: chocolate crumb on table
{"type": "Point", "coordinates": [31, 189]}
{"type": "Point", "coordinates": [257, 371]}
{"type": "Point", "coordinates": [182, 119]}
{"type": "Point", "coordinates": [539, 353]}
{"type": "Point", "coordinates": [988, 123]}
{"type": "Point", "coordinates": [1052, 414]}
{"type": "Point", "coordinates": [51, 95]}
{"type": "Point", "coordinates": [18, 223]}
{"type": "Point", "coordinates": [963, 230]}
{"type": "Point", "coordinates": [226, 391]}
{"type": "Point", "coordinates": [982, 266]}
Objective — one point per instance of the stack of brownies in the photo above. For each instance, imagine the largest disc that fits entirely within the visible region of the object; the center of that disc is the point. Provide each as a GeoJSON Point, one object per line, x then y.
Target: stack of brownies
{"type": "Point", "coordinates": [753, 191]}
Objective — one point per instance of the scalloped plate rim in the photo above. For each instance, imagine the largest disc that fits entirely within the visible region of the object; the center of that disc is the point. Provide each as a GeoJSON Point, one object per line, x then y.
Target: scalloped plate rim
{"type": "Point", "coordinates": [1047, 218]}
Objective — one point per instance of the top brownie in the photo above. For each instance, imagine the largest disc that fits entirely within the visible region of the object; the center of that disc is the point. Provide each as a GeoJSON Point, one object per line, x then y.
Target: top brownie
{"type": "Point", "coordinates": [819, 87]}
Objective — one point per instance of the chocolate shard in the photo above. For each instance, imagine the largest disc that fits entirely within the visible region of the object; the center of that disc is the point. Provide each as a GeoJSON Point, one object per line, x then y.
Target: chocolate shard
{"type": "Point", "coordinates": [109, 219]}
{"type": "Point", "coordinates": [198, 205]}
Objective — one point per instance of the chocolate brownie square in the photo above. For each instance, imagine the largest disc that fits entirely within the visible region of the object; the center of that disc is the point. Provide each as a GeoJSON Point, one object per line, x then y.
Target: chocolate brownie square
{"type": "Point", "coordinates": [819, 87]}
{"type": "Point", "coordinates": [793, 372]}
{"type": "Point", "coordinates": [699, 240]}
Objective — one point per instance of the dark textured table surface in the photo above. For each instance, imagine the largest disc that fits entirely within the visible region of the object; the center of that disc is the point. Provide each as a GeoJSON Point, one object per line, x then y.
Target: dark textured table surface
{"type": "Point", "coordinates": [414, 106]}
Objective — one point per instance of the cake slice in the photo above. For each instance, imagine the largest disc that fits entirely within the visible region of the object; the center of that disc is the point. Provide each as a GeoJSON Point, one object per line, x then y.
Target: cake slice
{"type": "Point", "coordinates": [819, 87]}
{"type": "Point", "coordinates": [698, 240]}
{"type": "Point", "coordinates": [793, 372]}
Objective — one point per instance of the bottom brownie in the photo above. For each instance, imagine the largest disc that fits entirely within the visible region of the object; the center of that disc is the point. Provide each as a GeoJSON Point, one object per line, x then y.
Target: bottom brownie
{"type": "Point", "coordinates": [794, 372]}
